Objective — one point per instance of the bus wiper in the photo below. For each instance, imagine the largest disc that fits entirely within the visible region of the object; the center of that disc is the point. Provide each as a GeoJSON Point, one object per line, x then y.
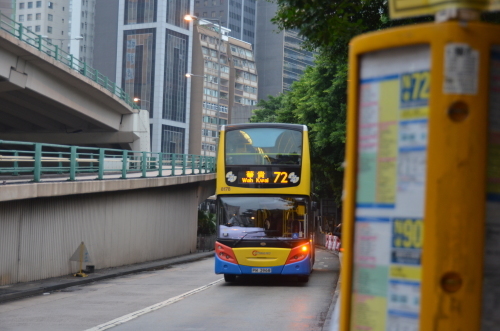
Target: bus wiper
{"type": "Point", "coordinates": [247, 233]}
{"type": "Point", "coordinates": [284, 241]}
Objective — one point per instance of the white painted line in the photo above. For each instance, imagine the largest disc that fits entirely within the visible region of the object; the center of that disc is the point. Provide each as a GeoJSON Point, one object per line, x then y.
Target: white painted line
{"type": "Point", "coordinates": [131, 316]}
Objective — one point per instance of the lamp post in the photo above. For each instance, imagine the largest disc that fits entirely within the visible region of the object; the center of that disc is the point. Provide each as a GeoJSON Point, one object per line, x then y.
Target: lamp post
{"type": "Point", "coordinates": [62, 39]}
{"type": "Point", "coordinates": [190, 18]}
{"type": "Point", "coordinates": [189, 75]}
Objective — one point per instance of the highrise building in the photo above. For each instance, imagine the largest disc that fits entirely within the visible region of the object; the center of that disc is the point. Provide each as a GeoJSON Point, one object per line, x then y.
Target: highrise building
{"type": "Point", "coordinates": [145, 45]}
{"type": "Point", "coordinates": [224, 78]}
{"type": "Point", "coordinates": [82, 24]}
{"type": "Point", "coordinates": [237, 15]}
{"type": "Point", "coordinates": [8, 9]}
{"type": "Point", "coordinates": [279, 56]}
{"type": "Point", "coordinates": [65, 23]}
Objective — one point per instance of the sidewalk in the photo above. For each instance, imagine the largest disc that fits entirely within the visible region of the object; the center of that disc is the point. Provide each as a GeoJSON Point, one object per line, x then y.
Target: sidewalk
{"type": "Point", "coordinates": [332, 317]}
{"type": "Point", "coordinates": [20, 290]}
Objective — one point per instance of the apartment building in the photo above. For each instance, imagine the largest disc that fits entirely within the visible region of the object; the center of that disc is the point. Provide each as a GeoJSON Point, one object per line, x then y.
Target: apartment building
{"type": "Point", "coordinates": [65, 23]}
{"type": "Point", "coordinates": [47, 18]}
{"type": "Point", "coordinates": [224, 77]}
{"type": "Point", "coordinates": [236, 15]}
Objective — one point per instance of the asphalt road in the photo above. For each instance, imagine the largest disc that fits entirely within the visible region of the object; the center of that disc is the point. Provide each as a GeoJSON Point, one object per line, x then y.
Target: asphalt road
{"type": "Point", "coordinates": [182, 297]}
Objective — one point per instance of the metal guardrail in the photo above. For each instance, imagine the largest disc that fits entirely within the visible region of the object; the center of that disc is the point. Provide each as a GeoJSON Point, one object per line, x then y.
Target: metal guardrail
{"type": "Point", "coordinates": [25, 158]}
{"type": "Point", "coordinates": [43, 45]}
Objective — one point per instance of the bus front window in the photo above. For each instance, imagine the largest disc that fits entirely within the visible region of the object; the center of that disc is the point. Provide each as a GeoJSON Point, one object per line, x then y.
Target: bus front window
{"type": "Point", "coordinates": [262, 146]}
{"type": "Point", "coordinates": [260, 217]}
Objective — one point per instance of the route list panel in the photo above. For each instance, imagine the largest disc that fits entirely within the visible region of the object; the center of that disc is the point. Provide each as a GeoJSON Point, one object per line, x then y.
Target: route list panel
{"type": "Point", "coordinates": [392, 157]}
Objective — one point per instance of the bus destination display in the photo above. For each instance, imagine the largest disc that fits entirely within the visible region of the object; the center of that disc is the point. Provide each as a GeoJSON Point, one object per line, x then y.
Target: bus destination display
{"type": "Point", "coordinates": [268, 177]}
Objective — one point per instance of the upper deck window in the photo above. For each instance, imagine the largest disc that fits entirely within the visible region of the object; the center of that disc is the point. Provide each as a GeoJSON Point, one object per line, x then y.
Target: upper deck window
{"type": "Point", "coordinates": [263, 146]}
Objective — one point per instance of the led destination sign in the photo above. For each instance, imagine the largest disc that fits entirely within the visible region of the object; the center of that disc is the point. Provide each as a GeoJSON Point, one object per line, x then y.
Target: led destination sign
{"type": "Point", "coordinates": [274, 177]}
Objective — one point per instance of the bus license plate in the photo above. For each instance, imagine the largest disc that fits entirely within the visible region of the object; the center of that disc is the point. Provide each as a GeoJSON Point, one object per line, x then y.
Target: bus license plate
{"type": "Point", "coordinates": [261, 270]}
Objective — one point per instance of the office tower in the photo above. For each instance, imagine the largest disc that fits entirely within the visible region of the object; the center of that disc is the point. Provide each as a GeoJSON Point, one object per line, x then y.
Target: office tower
{"type": "Point", "coordinates": [279, 56]}
{"type": "Point", "coordinates": [221, 82]}
{"type": "Point", "coordinates": [145, 44]}
{"type": "Point", "coordinates": [237, 15]}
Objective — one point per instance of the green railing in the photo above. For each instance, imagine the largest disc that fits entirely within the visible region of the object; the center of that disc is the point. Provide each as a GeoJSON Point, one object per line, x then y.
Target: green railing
{"type": "Point", "coordinates": [20, 32]}
{"type": "Point", "coordinates": [63, 161]}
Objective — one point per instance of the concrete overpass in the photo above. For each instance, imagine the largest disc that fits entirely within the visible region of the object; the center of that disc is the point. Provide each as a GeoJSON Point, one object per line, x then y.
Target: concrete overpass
{"type": "Point", "coordinates": [121, 222]}
{"type": "Point", "coordinates": [42, 99]}
{"type": "Point", "coordinates": [127, 207]}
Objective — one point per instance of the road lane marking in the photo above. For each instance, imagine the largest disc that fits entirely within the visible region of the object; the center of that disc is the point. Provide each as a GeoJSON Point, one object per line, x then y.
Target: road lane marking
{"type": "Point", "coordinates": [131, 316]}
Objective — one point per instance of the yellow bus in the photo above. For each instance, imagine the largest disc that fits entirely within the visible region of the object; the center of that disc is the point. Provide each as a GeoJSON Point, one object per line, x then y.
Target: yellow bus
{"type": "Point", "coordinates": [264, 210]}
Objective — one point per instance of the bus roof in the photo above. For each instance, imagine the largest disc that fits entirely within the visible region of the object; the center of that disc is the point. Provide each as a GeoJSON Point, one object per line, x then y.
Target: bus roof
{"type": "Point", "coordinates": [296, 127]}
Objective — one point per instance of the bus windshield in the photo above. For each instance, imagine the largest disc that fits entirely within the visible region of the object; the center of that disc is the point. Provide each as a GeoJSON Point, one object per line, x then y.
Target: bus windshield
{"type": "Point", "coordinates": [258, 217]}
{"type": "Point", "coordinates": [261, 146]}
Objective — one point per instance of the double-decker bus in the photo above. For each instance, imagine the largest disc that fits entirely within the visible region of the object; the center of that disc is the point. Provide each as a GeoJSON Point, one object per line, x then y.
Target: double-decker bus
{"type": "Point", "coordinates": [264, 221]}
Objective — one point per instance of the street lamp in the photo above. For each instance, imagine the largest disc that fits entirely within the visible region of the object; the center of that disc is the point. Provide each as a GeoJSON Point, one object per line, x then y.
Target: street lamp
{"type": "Point", "coordinates": [189, 75]}
{"type": "Point", "coordinates": [62, 39]}
{"type": "Point", "coordinates": [190, 18]}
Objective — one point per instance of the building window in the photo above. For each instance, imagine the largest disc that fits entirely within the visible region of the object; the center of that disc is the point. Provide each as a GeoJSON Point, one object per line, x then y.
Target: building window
{"type": "Point", "coordinates": [30, 4]}
{"type": "Point", "coordinates": [214, 2]}
{"type": "Point", "coordinates": [29, 28]}
{"type": "Point", "coordinates": [197, 3]}
{"type": "Point", "coordinates": [213, 14]}
{"type": "Point", "coordinates": [21, 18]}
{"type": "Point", "coordinates": [144, 11]}
{"type": "Point", "coordinates": [50, 5]}
{"type": "Point", "coordinates": [38, 4]}
{"type": "Point", "coordinates": [172, 139]}
{"type": "Point", "coordinates": [37, 28]}
{"type": "Point", "coordinates": [176, 11]}
{"type": "Point", "coordinates": [21, 5]}
{"type": "Point", "coordinates": [38, 16]}
{"type": "Point", "coordinates": [50, 17]}
{"type": "Point", "coordinates": [49, 29]}
{"type": "Point", "coordinates": [221, 14]}
{"type": "Point", "coordinates": [29, 17]}
{"type": "Point", "coordinates": [204, 14]}
{"type": "Point", "coordinates": [138, 71]}
{"type": "Point", "coordinates": [176, 58]}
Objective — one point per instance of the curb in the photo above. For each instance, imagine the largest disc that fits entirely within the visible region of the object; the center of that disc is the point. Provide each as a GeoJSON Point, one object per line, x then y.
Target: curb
{"type": "Point", "coordinates": [328, 325]}
{"type": "Point", "coordinates": [93, 278]}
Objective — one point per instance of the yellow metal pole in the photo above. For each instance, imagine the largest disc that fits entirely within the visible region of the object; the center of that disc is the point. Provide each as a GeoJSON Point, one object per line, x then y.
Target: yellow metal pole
{"type": "Point", "coordinates": [455, 179]}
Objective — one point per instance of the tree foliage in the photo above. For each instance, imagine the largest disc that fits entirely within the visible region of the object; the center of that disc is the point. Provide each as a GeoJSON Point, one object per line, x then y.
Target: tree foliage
{"type": "Point", "coordinates": [329, 25]}
{"type": "Point", "coordinates": [319, 98]}
{"type": "Point", "coordinates": [206, 222]}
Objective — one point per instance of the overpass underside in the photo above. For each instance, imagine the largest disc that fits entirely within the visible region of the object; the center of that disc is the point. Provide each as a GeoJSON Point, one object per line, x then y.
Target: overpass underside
{"type": "Point", "coordinates": [134, 221]}
{"type": "Point", "coordinates": [44, 100]}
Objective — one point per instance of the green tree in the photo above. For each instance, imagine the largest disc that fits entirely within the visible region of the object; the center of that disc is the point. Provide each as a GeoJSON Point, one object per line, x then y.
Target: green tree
{"type": "Point", "coordinates": [267, 109]}
{"type": "Point", "coordinates": [329, 25]}
{"type": "Point", "coordinates": [319, 98]}
{"type": "Point", "coordinates": [206, 222]}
